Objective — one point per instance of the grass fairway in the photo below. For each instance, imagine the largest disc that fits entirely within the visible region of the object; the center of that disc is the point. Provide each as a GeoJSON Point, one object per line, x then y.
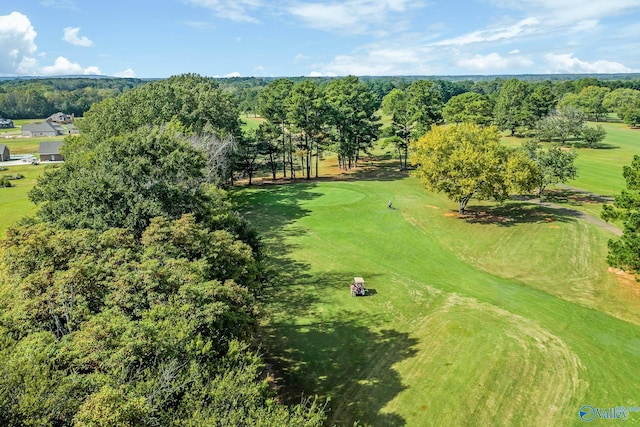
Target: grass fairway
{"type": "Point", "coordinates": [477, 321]}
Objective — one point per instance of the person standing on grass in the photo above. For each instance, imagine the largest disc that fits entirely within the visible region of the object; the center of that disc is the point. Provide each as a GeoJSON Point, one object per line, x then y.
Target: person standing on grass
{"type": "Point", "coordinates": [389, 204]}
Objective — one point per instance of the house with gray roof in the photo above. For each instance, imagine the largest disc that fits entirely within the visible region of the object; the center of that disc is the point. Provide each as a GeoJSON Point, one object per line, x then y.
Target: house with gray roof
{"type": "Point", "coordinates": [42, 129]}
{"type": "Point", "coordinates": [4, 153]}
{"type": "Point", "coordinates": [61, 118]}
{"type": "Point", "coordinates": [50, 152]}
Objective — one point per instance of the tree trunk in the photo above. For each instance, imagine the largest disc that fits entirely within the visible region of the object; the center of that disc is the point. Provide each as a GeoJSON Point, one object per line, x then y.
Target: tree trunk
{"type": "Point", "coordinates": [317, 157]}
{"type": "Point", "coordinates": [463, 203]}
{"type": "Point", "coordinates": [284, 154]}
{"type": "Point", "coordinates": [272, 161]}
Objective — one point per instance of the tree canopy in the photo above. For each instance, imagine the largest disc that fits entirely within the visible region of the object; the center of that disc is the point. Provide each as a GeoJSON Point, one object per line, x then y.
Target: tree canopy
{"type": "Point", "coordinates": [122, 181]}
{"type": "Point", "coordinates": [624, 253]}
{"type": "Point", "coordinates": [468, 160]}
{"type": "Point", "coordinates": [103, 329]}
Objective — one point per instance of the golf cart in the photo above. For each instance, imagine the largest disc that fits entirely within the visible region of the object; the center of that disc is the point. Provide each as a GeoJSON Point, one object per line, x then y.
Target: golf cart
{"type": "Point", "coordinates": [357, 287]}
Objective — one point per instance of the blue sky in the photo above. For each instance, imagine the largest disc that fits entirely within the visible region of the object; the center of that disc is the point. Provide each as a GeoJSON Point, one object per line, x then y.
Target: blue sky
{"type": "Point", "coordinates": [156, 39]}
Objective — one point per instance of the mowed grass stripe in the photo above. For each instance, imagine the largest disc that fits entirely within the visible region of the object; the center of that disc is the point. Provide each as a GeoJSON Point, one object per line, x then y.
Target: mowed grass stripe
{"type": "Point", "coordinates": [334, 342]}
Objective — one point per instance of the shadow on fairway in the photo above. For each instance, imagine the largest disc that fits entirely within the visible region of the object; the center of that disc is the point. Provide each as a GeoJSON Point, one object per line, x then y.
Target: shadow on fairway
{"type": "Point", "coordinates": [316, 347]}
{"type": "Point", "coordinates": [339, 354]}
{"type": "Point", "coordinates": [514, 213]}
{"type": "Point", "coordinates": [575, 197]}
{"type": "Point", "coordinates": [272, 210]}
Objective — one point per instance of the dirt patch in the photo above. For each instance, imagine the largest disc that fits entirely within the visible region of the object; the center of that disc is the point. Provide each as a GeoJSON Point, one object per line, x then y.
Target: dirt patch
{"type": "Point", "coordinates": [627, 281]}
{"type": "Point", "coordinates": [554, 226]}
{"type": "Point", "coordinates": [432, 207]}
{"type": "Point", "coordinates": [452, 214]}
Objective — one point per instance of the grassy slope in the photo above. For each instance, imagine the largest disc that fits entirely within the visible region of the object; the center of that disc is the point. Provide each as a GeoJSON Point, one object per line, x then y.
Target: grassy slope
{"type": "Point", "coordinates": [471, 322]}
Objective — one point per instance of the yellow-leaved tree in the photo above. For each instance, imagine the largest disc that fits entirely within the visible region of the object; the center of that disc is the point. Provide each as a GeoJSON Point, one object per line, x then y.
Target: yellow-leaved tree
{"type": "Point", "coordinates": [468, 160]}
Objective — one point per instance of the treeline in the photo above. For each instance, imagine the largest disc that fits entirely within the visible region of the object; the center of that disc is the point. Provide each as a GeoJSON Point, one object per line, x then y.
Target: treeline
{"type": "Point", "coordinates": [39, 98]}
{"type": "Point", "coordinates": [306, 117]}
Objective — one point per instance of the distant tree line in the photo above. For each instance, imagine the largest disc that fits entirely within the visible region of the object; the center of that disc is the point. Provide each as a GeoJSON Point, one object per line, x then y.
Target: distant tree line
{"type": "Point", "coordinates": [39, 98]}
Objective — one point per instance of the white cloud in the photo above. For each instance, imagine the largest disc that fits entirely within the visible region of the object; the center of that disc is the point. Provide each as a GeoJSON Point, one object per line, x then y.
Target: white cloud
{"type": "Point", "coordinates": [378, 62]}
{"type": "Point", "coordinates": [354, 16]}
{"type": "Point", "coordinates": [525, 26]}
{"type": "Point", "coordinates": [567, 63]}
{"type": "Point", "coordinates": [494, 62]}
{"type": "Point", "coordinates": [315, 74]}
{"type": "Point", "coordinates": [93, 70]}
{"type": "Point", "coordinates": [234, 10]}
{"type": "Point", "coordinates": [17, 44]}
{"type": "Point", "coordinates": [128, 73]}
{"type": "Point", "coordinates": [61, 66]}
{"type": "Point", "coordinates": [71, 36]}
{"type": "Point", "coordinates": [59, 4]}
{"type": "Point", "coordinates": [568, 11]}
{"type": "Point", "coordinates": [233, 74]}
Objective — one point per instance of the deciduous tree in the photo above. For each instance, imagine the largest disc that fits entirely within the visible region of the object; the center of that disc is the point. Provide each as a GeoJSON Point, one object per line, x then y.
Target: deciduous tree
{"type": "Point", "coordinates": [468, 161]}
{"type": "Point", "coordinates": [469, 107]}
{"type": "Point", "coordinates": [512, 109]}
{"type": "Point", "coordinates": [555, 165]}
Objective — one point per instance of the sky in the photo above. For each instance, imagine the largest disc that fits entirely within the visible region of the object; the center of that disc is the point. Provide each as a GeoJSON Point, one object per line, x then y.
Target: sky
{"type": "Point", "coordinates": [291, 38]}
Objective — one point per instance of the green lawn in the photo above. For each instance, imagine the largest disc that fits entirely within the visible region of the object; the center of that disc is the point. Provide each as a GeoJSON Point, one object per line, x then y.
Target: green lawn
{"type": "Point", "coordinates": [599, 169]}
{"type": "Point", "coordinates": [14, 201]}
{"type": "Point", "coordinates": [504, 318]}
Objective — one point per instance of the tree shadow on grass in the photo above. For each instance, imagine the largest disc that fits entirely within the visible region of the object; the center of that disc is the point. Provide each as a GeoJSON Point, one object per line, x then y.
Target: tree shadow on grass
{"type": "Point", "coordinates": [272, 210]}
{"type": "Point", "coordinates": [574, 197]}
{"type": "Point", "coordinates": [333, 350]}
{"type": "Point", "coordinates": [514, 213]}
{"type": "Point", "coordinates": [340, 355]}
{"type": "Point", "coordinates": [598, 146]}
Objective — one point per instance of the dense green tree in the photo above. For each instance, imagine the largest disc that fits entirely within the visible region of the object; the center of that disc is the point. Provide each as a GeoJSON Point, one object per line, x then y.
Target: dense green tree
{"type": "Point", "coordinates": [122, 181]}
{"type": "Point", "coordinates": [424, 97]}
{"type": "Point", "coordinates": [352, 110]}
{"type": "Point", "coordinates": [625, 103]}
{"type": "Point", "coordinates": [468, 161]}
{"type": "Point", "coordinates": [592, 100]}
{"type": "Point", "coordinates": [307, 111]}
{"type": "Point", "coordinates": [403, 121]}
{"type": "Point", "coordinates": [102, 328]}
{"type": "Point", "coordinates": [469, 107]}
{"type": "Point", "coordinates": [592, 136]}
{"type": "Point", "coordinates": [624, 253]}
{"type": "Point", "coordinates": [512, 109]}
{"type": "Point", "coordinates": [248, 154]}
{"type": "Point", "coordinates": [268, 136]}
{"type": "Point", "coordinates": [561, 125]}
{"type": "Point", "coordinates": [273, 108]}
{"type": "Point", "coordinates": [542, 100]}
{"type": "Point", "coordinates": [555, 165]}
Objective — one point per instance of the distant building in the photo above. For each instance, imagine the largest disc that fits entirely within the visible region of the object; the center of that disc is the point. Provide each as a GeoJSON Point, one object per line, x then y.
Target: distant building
{"type": "Point", "coordinates": [61, 118]}
{"type": "Point", "coordinates": [42, 129]}
{"type": "Point", "coordinates": [50, 152]}
{"type": "Point", "coordinates": [6, 123]}
{"type": "Point", "coordinates": [4, 153]}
